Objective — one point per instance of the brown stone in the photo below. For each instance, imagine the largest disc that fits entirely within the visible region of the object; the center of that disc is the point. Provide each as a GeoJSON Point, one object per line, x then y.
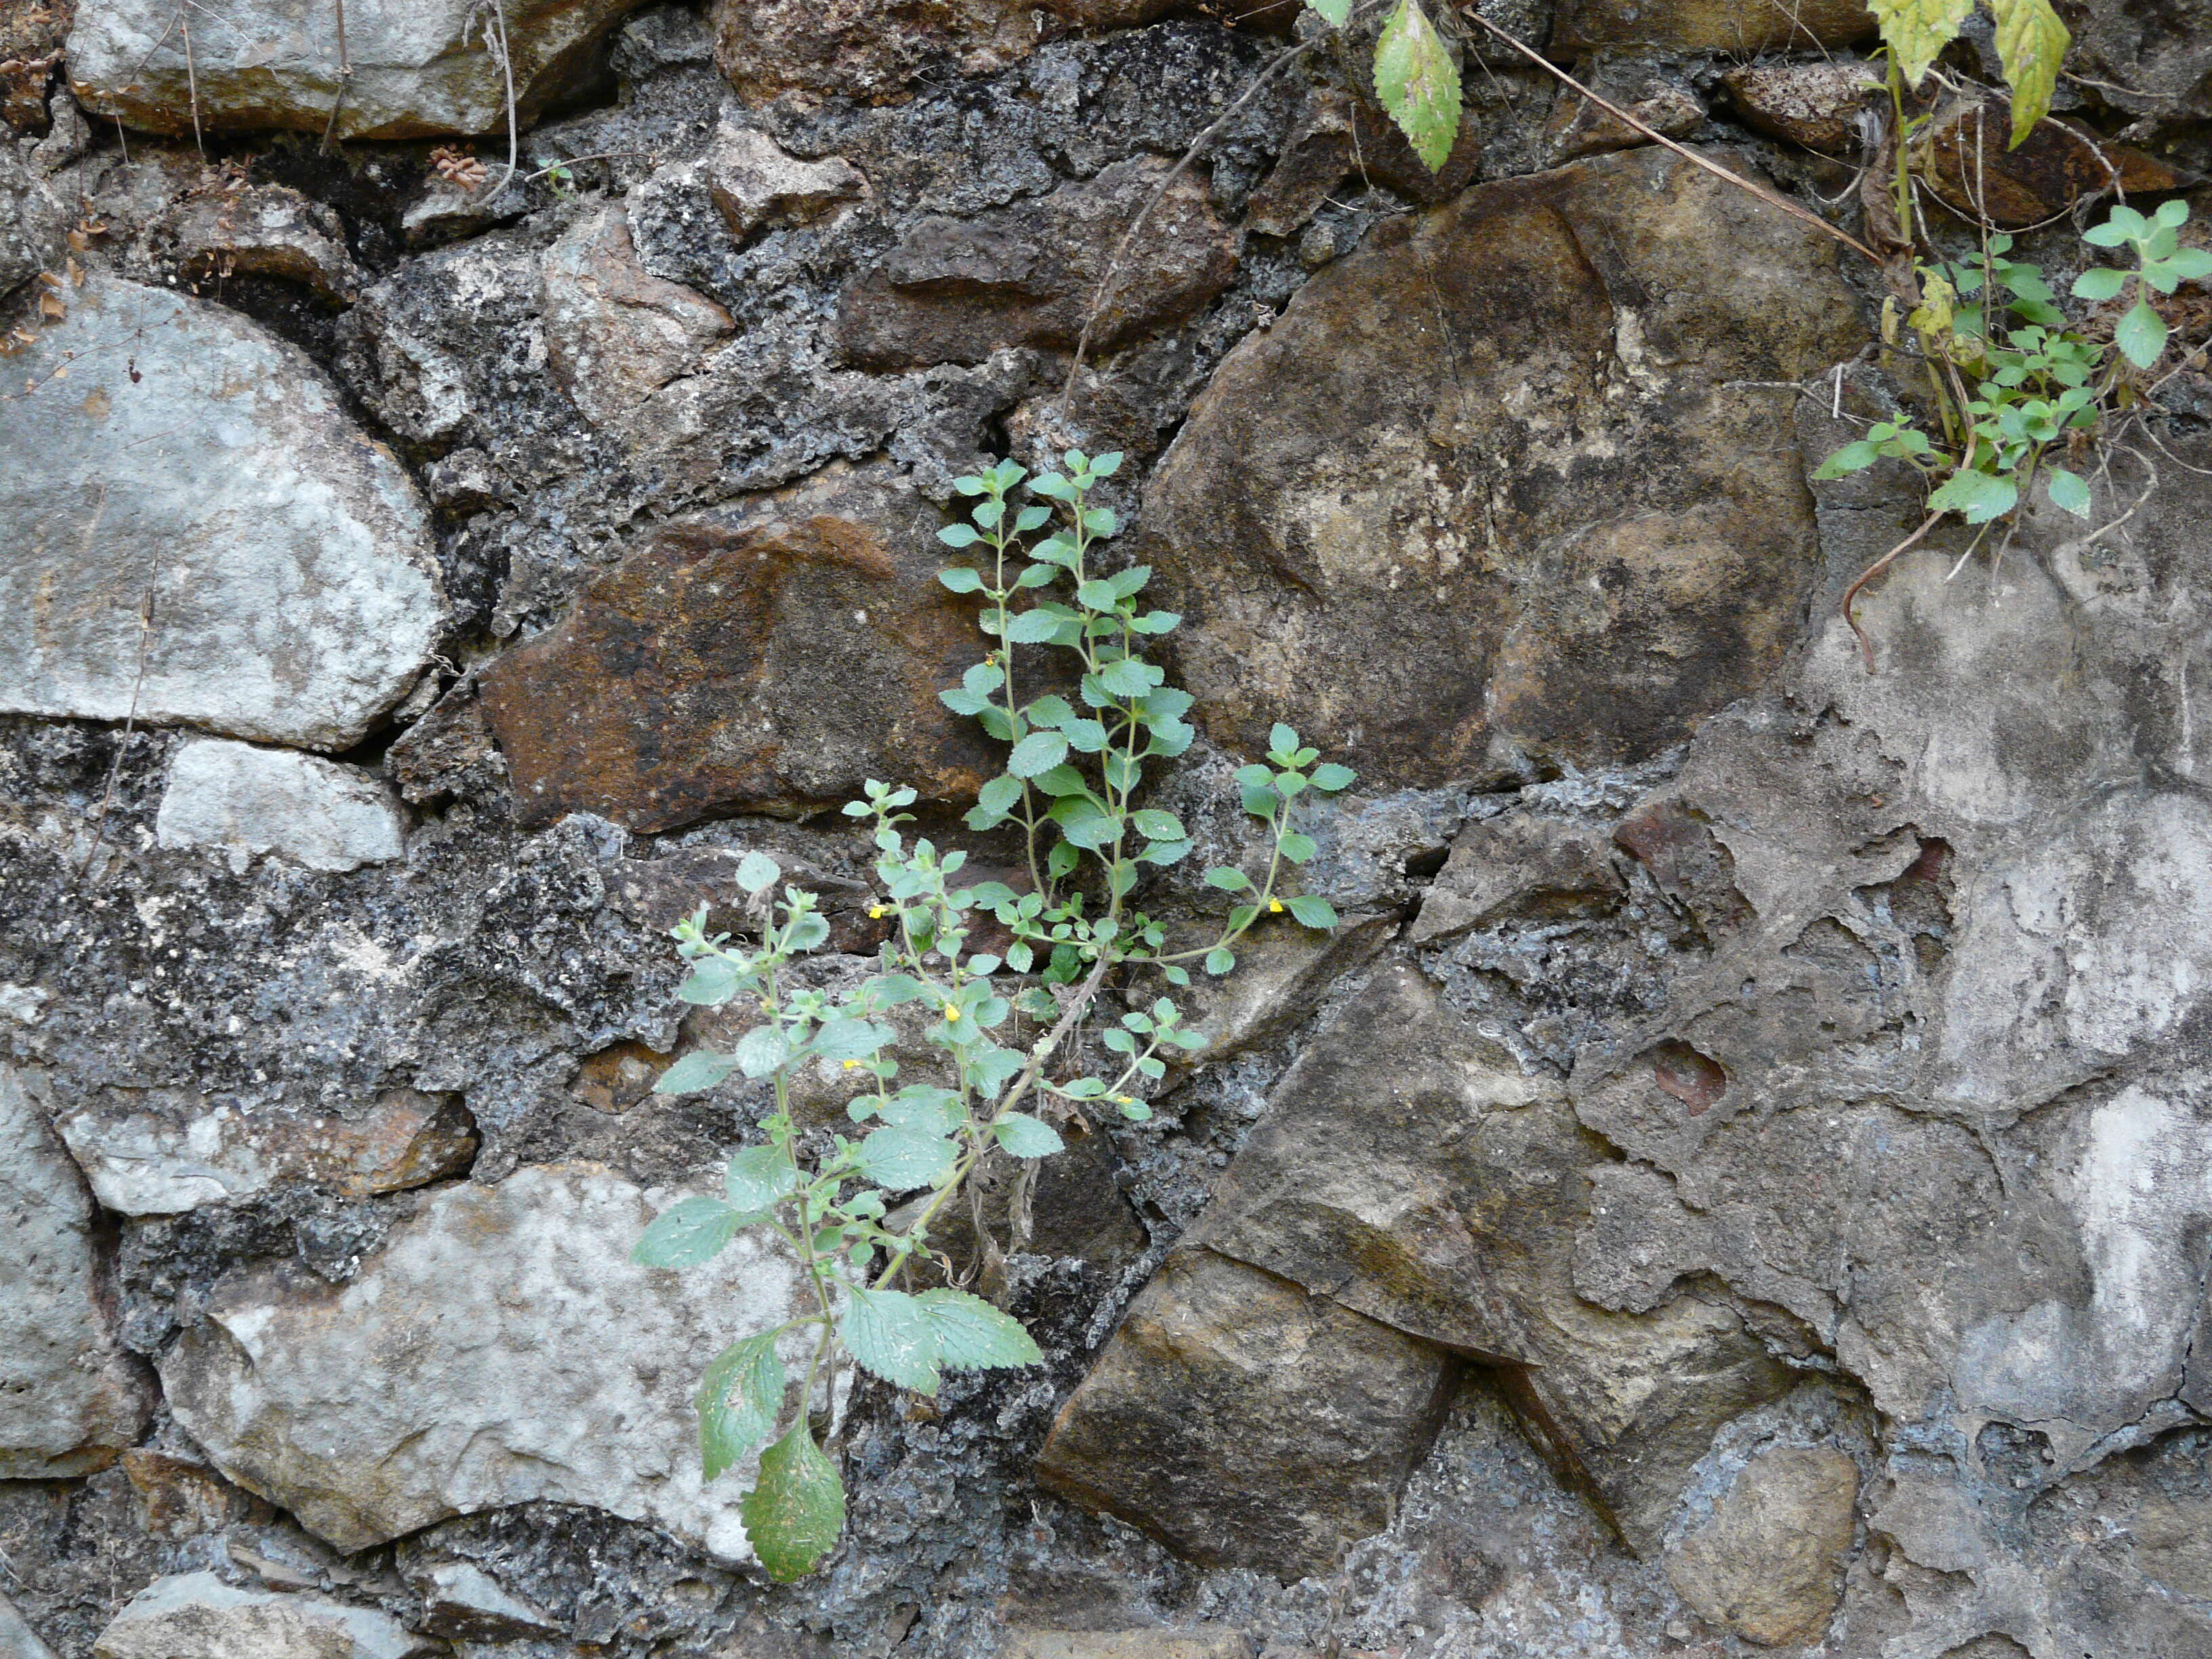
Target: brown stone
{"type": "Point", "coordinates": [1768, 1562]}
{"type": "Point", "coordinates": [614, 333]}
{"type": "Point", "coordinates": [179, 1498]}
{"type": "Point", "coordinates": [1743, 25]}
{"type": "Point", "coordinates": [876, 52]}
{"type": "Point", "coordinates": [616, 1078]}
{"type": "Point", "coordinates": [1815, 104]}
{"type": "Point", "coordinates": [1496, 477]}
{"type": "Point", "coordinates": [1408, 1170]}
{"type": "Point", "coordinates": [1966, 159]}
{"type": "Point", "coordinates": [1245, 1423]}
{"type": "Point", "coordinates": [956, 290]}
{"type": "Point", "coordinates": [742, 662]}
{"type": "Point", "coordinates": [1578, 127]}
{"type": "Point", "coordinates": [30, 39]}
{"type": "Point", "coordinates": [1317, 154]}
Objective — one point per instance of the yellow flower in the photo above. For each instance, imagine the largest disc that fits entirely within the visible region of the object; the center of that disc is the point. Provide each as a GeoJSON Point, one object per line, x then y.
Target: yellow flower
{"type": "Point", "coordinates": [850, 1064]}
{"type": "Point", "coordinates": [1275, 907]}
{"type": "Point", "coordinates": [877, 912]}
{"type": "Point", "coordinates": [952, 1013]}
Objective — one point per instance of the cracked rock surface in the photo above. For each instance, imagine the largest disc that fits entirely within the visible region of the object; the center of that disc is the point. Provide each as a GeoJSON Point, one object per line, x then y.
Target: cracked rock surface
{"type": "Point", "coordinates": [1736, 1181]}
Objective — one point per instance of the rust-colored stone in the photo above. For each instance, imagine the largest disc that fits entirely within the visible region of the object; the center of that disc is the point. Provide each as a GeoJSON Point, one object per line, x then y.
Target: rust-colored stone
{"type": "Point", "coordinates": [1967, 160]}
{"type": "Point", "coordinates": [731, 666]}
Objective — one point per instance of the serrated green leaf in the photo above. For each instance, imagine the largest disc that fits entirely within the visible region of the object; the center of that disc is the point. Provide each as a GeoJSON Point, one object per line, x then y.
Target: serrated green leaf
{"type": "Point", "coordinates": [739, 1398]}
{"type": "Point", "coordinates": [2032, 43]}
{"type": "Point", "coordinates": [689, 1232]}
{"type": "Point", "coordinates": [1032, 628]}
{"type": "Point", "coordinates": [1975, 496]}
{"type": "Point", "coordinates": [924, 1108]}
{"type": "Point", "coordinates": [2069, 490]}
{"type": "Point", "coordinates": [2100, 283]}
{"type": "Point", "coordinates": [890, 1334]}
{"type": "Point", "coordinates": [958, 535]}
{"type": "Point", "coordinates": [961, 580]}
{"type": "Point", "coordinates": [1329, 777]}
{"type": "Point", "coordinates": [1025, 1136]}
{"type": "Point", "coordinates": [2141, 334]}
{"type": "Point", "coordinates": [1917, 30]}
{"type": "Point", "coordinates": [1129, 678]}
{"type": "Point", "coordinates": [1219, 960]}
{"type": "Point", "coordinates": [1419, 85]}
{"type": "Point", "coordinates": [703, 1068]}
{"type": "Point", "coordinates": [898, 1160]}
{"type": "Point", "coordinates": [1312, 912]}
{"type": "Point", "coordinates": [760, 1050]}
{"type": "Point", "coordinates": [1155, 825]}
{"type": "Point", "coordinates": [757, 1178]}
{"type": "Point", "coordinates": [973, 1335]}
{"type": "Point", "coordinates": [794, 1515]}
{"type": "Point", "coordinates": [1855, 457]}
{"type": "Point", "coordinates": [1001, 795]}
{"type": "Point", "coordinates": [1040, 751]}
{"type": "Point", "coordinates": [1297, 848]}
{"type": "Point", "coordinates": [1229, 880]}
{"type": "Point", "coordinates": [711, 982]}
{"type": "Point", "coordinates": [757, 872]}
{"type": "Point", "coordinates": [851, 1039]}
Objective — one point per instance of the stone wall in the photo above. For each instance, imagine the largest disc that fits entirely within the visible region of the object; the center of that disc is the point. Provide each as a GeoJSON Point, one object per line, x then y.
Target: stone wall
{"type": "Point", "coordinates": [1737, 1180]}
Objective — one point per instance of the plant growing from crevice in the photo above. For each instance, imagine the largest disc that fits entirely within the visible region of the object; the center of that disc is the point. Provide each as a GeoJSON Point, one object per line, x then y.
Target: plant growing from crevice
{"type": "Point", "coordinates": [2018, 388]}
{"type": "Point", "coordinates": [857, 1211]}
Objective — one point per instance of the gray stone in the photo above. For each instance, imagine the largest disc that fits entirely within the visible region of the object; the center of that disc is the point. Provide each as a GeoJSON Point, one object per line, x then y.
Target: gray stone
{"type": "Point", "coordinates": [17, 1639]}
{"type": "Point", "coordinates": [752, 182]}
{"type": "Point", "coordinates": [1026, 1643]}
{"type": "Point", "coordinates": [501, 1349]}
{"type": "Point", "coordinates": [1518, 866]}
{"type": "Point", "coordinates": [248, 801]}
{"type": "Point", "coordinates": [1767, 1562]}
{"type": "Point", "coordinates": [416, 69]}
{"type": "Point", "coordinates": [70, 1398]}
{"type": "Point", "coordinates": [176, 462]}
{"type": "Point", "coordinates": [162, 1151]}
{"type": "Point", "coordinates": [196, 1615]}
{"type": "Point", "coordinates": [1245, 1423]}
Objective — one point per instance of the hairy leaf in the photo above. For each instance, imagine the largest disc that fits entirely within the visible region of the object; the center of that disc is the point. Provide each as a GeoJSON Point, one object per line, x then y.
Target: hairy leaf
{"type": "Point", "coordinates": [689, 1232]}
{"type": "Point", "coordinates": [1975, 496]}
{"type": "Point", "coordinates": [1025, 1136]}
{"type": "Point", "coordinates": [2069, 490]}
{"type": "Point", "coordinates": [701, 1068]}
{"type": "Point", "coordinates": [1917, 30]}
{"type": "Point", "coordinates": [2141, 334]}
{"type": "Point", "coordinates": [1417, 83]}
{"type": "Point", "coordinates": [1312, 911]}
{"type": "Point", "coordinates": [739, 1398]}
{"type": "Point", "coordinates": [2032, 42]}
{"type": "Point", "coordinates": [1040, 751]}
{"type": "Point", "coordinates": [757, 1178]}
{"type": "Point", "coordinates": [760, 1050]}
{"type": "Point", "coordinates": [900, 1159]}
{"type": "Point", "coordinates": [793, 1517]}
{"type": "Point", "coordinates": [713, 981]}
{"type": "Point", "coordinates": [890, 1334]}
{"type": "Point", "coordinates": [971, 1334]}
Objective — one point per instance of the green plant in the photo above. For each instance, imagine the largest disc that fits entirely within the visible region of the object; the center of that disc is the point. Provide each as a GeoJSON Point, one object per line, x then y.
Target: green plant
{"type": "Point", "coordinates": [1414, 76]}
{"type": "Point", "coordinates": [1075, 769]}
{"type": "Point", "coordinates": [2031, 45]}
{"type": "Point", "coordinates": [2012, 378]}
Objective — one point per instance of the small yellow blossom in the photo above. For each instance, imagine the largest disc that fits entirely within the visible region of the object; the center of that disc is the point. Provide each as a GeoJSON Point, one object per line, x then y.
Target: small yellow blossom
{"type": "Point", "coordinates": [1275, 907]}
{"type": "Point", "coordinates": [850, 1064]}
{"type": "Point", "coordinates": [877, 912]}
{"type": "Point", "coordinates": [952, 1013]}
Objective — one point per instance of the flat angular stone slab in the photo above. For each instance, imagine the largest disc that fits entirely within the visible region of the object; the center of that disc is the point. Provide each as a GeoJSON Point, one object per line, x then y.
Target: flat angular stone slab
{"type": "Point", "coordinates": [193, 529]}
